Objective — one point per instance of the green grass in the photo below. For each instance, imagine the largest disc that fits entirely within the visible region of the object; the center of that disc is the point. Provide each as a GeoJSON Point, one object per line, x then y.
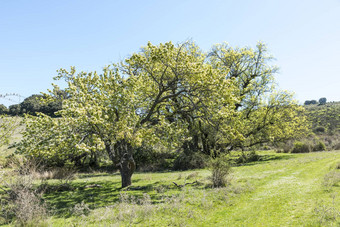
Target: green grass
{"type": "Point", "coordinates": [280, 190]}
{"type": "Point", "coordinates": [283, 190]}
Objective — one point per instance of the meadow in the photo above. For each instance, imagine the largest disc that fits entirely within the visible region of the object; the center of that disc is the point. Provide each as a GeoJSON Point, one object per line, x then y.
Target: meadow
{"type": "Point", "coordinates": [281, 190]}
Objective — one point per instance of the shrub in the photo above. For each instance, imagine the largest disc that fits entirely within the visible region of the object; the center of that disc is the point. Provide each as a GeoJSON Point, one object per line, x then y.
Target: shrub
{"type": "Point", "coordinates": [23, 203]}
{"type": "Point", "coordinates": [246, 157]}
{"type": "Point", "coordinates": [331, 179]}
{"type": "Point", "coordinates": [190, 160]}
{"type": "Point", "coordinates": [155, 158]}
{"type": "Point", "coordinates": [319, 129]}
{"type": "Point", "coordinates": [284, 147]}
{"type": "Point", "coordinates": [319, 146]}
{"type": "Point", "coordinates": [81, 209]}
{"type": "Point", "coordinates": [300, 147]}
{"type": "Point", "coordinates": [336, 146]}
{"type": "Point", "coordinates": [220, 169]}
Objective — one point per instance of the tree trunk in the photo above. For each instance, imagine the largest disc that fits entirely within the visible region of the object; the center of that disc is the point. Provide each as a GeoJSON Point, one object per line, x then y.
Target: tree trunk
{"type": "Point", "coordinates": [121, 155]}
{"type": "Point", "coordinates": [127, 168]}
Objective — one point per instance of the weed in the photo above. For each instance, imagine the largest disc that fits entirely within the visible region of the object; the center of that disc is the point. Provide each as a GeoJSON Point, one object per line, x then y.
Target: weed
{"type": "Point", "coordinates": [81, 209]}
{"type": "Point", "coordinates": [327, 213]}
{"type": "Point", "coordinates": [192, 175]}
{"type": "Point", "coordinates": [330, 179]}
{"type": "Point", "coordinates": [23, 204]}
{"type": "Point", "coordinates": [220, 168]}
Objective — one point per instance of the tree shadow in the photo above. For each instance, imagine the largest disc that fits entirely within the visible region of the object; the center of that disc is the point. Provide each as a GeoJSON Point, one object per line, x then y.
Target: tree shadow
{"type": "Point", "coordinates": [104, 193]}
{"type": "Point", "coordinates": [265, 159]}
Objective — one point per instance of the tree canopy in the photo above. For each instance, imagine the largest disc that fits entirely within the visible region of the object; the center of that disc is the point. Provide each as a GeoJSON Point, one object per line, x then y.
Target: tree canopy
{"type": "Point", "coordinates": [175, 95]}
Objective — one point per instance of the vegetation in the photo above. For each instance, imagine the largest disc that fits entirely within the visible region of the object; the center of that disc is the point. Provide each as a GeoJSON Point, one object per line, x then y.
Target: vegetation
{"type": "Point", "coordinates": [171, 107]}
{"type": "Point", "coordinates": [176, 97]}
{"type": "Point", "coordinates": [325, 118]}
{"type": "Point", "coordinates": [293, 189]}
{"type": "Point", "coordinates": [37, 104]}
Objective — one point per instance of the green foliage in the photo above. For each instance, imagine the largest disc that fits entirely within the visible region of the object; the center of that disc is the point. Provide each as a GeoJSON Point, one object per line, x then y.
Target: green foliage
{"type": "Point", "coordinates": [319, 129]}
{"type": "Point", "coordinates": [153, 158]}
{"type": "Point", "coordinates": [266, 115]}
{"type": "Point", "coordinates": [3, 109]}
{"type": "Point", "coordinates": [34, 104]}
{"type": "Point", "coordinates": [175, 96]}
{"type": "Point", "coordinates": [14, 110]}
{"type": "Point", "coordinates": [319, 146]}
{"type": "Point", "coordinates": [310, 102]}
{"type": "Point", "coordinates": [220, 169]}
{"type": "Point", "coordinates": [190, 160]}
{"type": "Point", "coordinates": [8, 125]}
{"type": "Point", "coordinates": [326, 116]}
{"type": "Point", "coordinates": [301, 147]}
{"type": "Point", "coordinates": [246, 157]}
{"type": "Point", "coordinates": [322, 101]}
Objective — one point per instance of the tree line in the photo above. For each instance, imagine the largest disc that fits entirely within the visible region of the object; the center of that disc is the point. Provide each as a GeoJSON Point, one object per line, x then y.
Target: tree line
{"type": "Point", "coordinates": [35, 104]}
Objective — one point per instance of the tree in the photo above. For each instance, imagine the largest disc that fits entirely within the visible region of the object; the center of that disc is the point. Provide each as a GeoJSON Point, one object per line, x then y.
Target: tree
{"type": "Point", "coordinates": [169, 94]}
{"type": "Point", "coordinates": [14, 110]}
{"type": "Point", "coordinates": [143, 99]}
{"type": "Point", "coordinates": [31, 105]}
{"type": "Point", "coordinates": [265, 114]}
{"type": "Point", "coordinates": [3, 109]}
{"type": "Point", "coordinates": [322, 101]}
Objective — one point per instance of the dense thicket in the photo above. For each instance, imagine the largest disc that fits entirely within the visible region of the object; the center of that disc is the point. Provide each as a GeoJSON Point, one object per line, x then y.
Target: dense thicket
{"type": "Point", "coordinates": [173, 97]}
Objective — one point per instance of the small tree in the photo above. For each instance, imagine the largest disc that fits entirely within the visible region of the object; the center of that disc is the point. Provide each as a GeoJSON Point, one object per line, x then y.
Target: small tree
{"type": "Point", "coordinates": [307, 102]}
{"type": "Point", "coordinates": [322, 101]}
{"type": "Point", "coordinates": [3, 109]}
{"type": "Point", "coordinates": [14, 110]}
{"type": "Point", "coordinates": [220, 169]}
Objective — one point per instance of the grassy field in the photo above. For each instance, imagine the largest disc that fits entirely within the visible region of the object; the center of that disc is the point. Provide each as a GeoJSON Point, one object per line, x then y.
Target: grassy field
{"type": "Point", "coordinates": [284, 190]}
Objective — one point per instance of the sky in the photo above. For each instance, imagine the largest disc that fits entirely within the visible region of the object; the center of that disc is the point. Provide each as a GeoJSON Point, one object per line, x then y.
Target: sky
{"type": "Point", "coordinates": [39, 37]}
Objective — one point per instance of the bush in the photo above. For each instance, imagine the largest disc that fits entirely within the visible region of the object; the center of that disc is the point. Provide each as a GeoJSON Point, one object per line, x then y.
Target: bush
{"type": "Point", "coordinates": [190, 160]}
{"type": "Point", "coordinates": [336, 146]}
{"type": "Point", "coordinates": [220, 169]}
{"type": "Point", "coordinates": [319, 129]}
{"type": "Point", "coordinates": [22, 203]}
{"type": "Point", "coordinates": [155, 158]}
{"type": "Point", "coordinates": [319, 146]}
{"type": "Point", "coordinates": [300, 147]}
{"type": "Point", "coordinates": [246, 157]}
{"type": "Point", "coordinates": [331, 179]}
{"type": "Point", "coordinates": [284, 147]}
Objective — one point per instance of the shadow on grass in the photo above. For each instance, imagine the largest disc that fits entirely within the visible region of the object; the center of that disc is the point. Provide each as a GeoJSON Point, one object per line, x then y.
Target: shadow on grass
{"type": "Point", "coordinates": [103, 193]}
{"type": "Point", "coordinates": [90, 175]}
{"type": "Point", "coordinates": [62, 202]}
{"type": "Point", "coordinates": [266, 158]}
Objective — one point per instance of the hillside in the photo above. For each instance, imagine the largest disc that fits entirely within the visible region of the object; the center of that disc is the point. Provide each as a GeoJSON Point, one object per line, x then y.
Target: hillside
{"type": "Point", "coordinates": [324, 118]}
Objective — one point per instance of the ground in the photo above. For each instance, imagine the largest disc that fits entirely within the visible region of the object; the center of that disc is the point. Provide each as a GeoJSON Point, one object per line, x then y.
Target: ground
{"type": "Point", "coordinates": [282, 190]}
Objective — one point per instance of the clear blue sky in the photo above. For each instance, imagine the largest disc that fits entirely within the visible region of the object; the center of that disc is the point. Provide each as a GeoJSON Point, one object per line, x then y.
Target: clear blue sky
{"type": "Point", "coordinates": [39, 37]}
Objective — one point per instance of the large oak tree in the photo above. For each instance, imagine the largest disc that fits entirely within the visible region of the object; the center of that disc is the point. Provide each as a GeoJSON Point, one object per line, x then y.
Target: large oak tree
{"type": "Point", "coordinates": [171, 94]}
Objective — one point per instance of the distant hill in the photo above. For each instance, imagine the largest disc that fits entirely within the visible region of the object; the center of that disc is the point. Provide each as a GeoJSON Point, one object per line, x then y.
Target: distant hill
{"type": "Point", "coordinates": [324, 118]}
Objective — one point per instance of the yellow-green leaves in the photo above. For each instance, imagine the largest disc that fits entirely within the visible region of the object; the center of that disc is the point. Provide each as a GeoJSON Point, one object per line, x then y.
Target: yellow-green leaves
{"type": "Point", "coordinates": [170, 94]}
